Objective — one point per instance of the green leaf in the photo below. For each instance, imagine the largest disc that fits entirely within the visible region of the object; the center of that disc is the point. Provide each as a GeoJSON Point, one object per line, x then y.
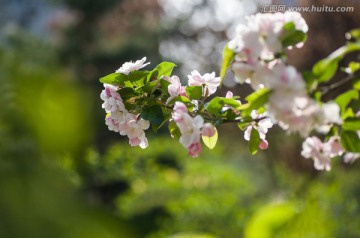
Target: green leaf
{"type": "Point", "coordinates": [254, 141]}
{"type": "Point", "coordinates": [210, 142]}
{"type": "Point", "coordinates": [345, 98]}
{"type": "Point", "coordinates": [269, 219]}
{"type": "Point", "coordinates": [216, 104]}
{"type": "Point", "coordinates": [174, 130]}
{"type": "Point", "coordinates": [194, 92]}
{"type": "Point", "coordinates": [256, 100]}
{"type": "Point", "coordinates": [165, 68]}
{"type": "Point", "coordinates": [351, 124]}
{"type": "Point", "coordinates": [347, 113]}
{"type": "Point", "coordinates": [326, 68]}
{"type": "Point", "coordinates": [356, 84]}
{"type": "Point", "coordinates": [153, 114]}
{"type": "Point", "coordinates": [310, 80]}
{"type": "Point", "coordinates": [150, 87]}
{"type": "Point", "coordinates": [291, 35]}
{"type": "Point", "coordinates": [164, 84]}
{"type": "Point", "coordinates": [127, 93]}
{"type": "Point", "coordinates": [182, 99]}
{"type": "Point", "coordinates": [353, 67]}
{"type": "Point", "coordinates": [355, 34]}
{"type": "Point", "coordinates": [153, 75]}
{"type": "Point", "coordinates": [350, 141]}
{"type": "Point", "coordinates": [228, 56]}
{"type": "Point", "coordinates": [245, 123]}
{"type": "Point", "coordinates": [138, 78]}
{"type": "Point", "coordinates": [113, 78]}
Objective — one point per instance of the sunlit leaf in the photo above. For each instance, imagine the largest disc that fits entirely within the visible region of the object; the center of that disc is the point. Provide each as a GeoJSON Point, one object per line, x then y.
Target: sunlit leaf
{"type": "Point", "coordinates": [356, 84]}
{"type": "Point", "coordinates": [228, 56]}
{"type": "Point", "coordinates": [256, 100]}
{"type": "Point", "coordinates": [345, 98]}
{"type": "Point", "coordinates": [165, 68]}
{"type": "Point", "coordinates": [216, 104]}
{"type": "Point", "coordinates": [268, 219]}
{"type": "Point", "coordinates": [210, 142]}
{"type": "Point", "coordinates": [355, 34]}
{"type": "Point", "coordinates": [326, 68]}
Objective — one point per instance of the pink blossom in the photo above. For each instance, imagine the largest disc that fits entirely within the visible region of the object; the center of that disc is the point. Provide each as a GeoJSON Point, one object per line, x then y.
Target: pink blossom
{"type": "Point", "coordinates": [329, 115]}
{"type": "Point", "coordinates": [243, 71]}
{"type": "Point", "coordinates": [195, 149]}
{"type": "Point", "coordinates": [112, 124]}
{"type": "Point", "coordinates": [334, 147]}
{"type": "Point", "coordinates": [130, 66]}
{"type": "Point", "coordinates": [263, 145]}
{"type": "Point", "coordinates": [175, 88]}
{"type": "Point", "coordinates": [179, 111]}
{"type": "Point", "coordinates": [350, 157]}
{"type": "Point", "coordinates": [209, 81]}
{"type": "Point", "coordinates": [229, 94]}
{"type": "Point", "coordinates": [134, 129]}
{"type": "Point", "coordinates": [321, 152]}
{"type": "Point", "coordinates": [189, 127]}
{"type": "Point", "coordinates": [111, 98]}
{"type": "Point", "coordinates": [208, 130]}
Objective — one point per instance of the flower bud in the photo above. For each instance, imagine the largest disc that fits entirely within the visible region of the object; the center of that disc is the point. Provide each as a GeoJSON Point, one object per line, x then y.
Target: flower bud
{"type": "Point", "coordinates": [208, 130]}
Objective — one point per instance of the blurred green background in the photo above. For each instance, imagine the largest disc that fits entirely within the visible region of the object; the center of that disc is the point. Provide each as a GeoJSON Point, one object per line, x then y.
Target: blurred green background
{"type": "Point", "coordinates": [63, 174]}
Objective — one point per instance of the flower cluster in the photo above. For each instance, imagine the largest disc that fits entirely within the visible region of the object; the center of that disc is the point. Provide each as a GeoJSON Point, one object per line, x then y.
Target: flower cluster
{"type": "Point", "coordinates": [135, 98]}
{"type": "Point", "coordinates": [118, 118]}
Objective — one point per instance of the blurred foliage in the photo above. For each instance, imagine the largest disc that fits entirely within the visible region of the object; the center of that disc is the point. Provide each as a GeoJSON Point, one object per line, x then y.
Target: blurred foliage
{"type": "Point", "coordinates": [62, 174]}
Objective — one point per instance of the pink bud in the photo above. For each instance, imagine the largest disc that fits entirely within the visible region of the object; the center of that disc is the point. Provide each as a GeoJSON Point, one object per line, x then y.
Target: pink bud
{"type": "Point", "coordinates": [180, 107]}
{"type": "Point", "coordinates": [195, 149]}
{"type": "Point", "coordinates": [263, 145]}
{"type": "Point", "coordinates": [229, 94]}
{"type": "Point", "coordinates": [208, 130]}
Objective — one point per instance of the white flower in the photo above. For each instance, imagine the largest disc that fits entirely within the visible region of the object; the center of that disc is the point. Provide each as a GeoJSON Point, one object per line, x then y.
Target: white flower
{"type": "Point", "coordinates": [134, 129]}
{"type": "Point", "coordinates": [189, 128]}
{"type": "Point", "coordinates": [321, 152]}
{"type": "Point", "coordinates": [334, 147]}
{"type": "Point", "coordinates": [314, 148]}
{"type": "Point", "coordinates": [330, 114]}
{"type": "Point", "coordinates": [295, 114]}
{"type": "Point", "coordinates": [261, 126]}
{"type": "Point", "coordinates": [297, 19]}
{"type": "Point", "coordinates": [111, 98]}
{"type": "Point", "coordinates": [130, 66]}
{"type": "Point", "coordinates": [210, 82]}
{"type": "Point", "coordinates": [350, 158]}
{"type": "Point", "coordinates": [175, 88]}
{"type": "Point", "coordinates": [243, 71]}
